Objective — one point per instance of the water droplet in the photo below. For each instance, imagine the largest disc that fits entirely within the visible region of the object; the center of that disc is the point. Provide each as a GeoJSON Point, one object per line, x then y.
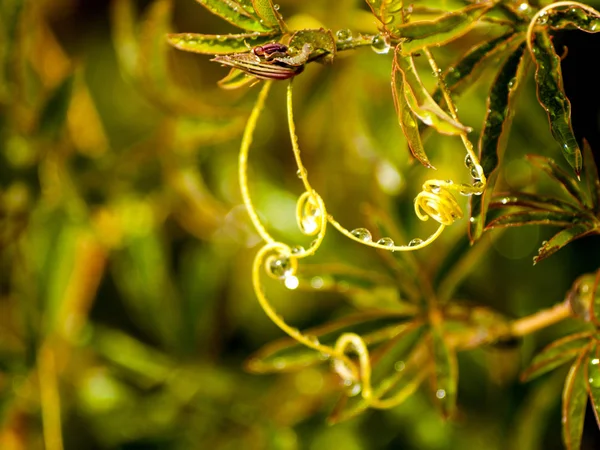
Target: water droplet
{"type": "Point", "coordinates": [362, 234]}
{"type": "Point", "coordinates": [297, 250]}
{"type": "Point", "coordinates": [291, 282]}
{"type": "Point", "coordinates": [386, 242]}
{"type": "Point", "coordinates": [317, 282]}
{"type": "Point", "coordinates": [276, 7]}
{"type": "Point", "coordinates": [465, 189]}
{"type": "Point", "coordinates": [595, 361]}
{"type": "Point", "coordinates": [472, 220]}
{"type": "Point", "coordinates": [313, 339]}
{"type": "Point", "coordinates": [542, 18]}
{"type": "Point", "coordinates": [415, 242]}
{"type": "Point", "coordinates": [469, 162]}
{"type": "Point", "coordinates": [354, 390]}
{"type": "Point", "coordinates": [505, 200]}
{"type": "Point", "coordinates": [440, 393]}
{"type": "Point", "coordinates": [343, 35]}
{"type": "Point", "coordinates": [280, 266]}
{"type": "Point", "coordinates": [544, 243]}
{"type": "Point", "coordinates": [380, 44]}
{"type": "Point", "coordinates": [480, 186]}
{"type": "Point", "coordinates": [399, 366]}
{"type": "Point", "coordinates": [523, 7]}
{"type": "Point", "coordinates": [435, 188]}
{"type": "Point", "coordinates": [512, 82]}
{"type": "Point", "coordinates": [301, 173]}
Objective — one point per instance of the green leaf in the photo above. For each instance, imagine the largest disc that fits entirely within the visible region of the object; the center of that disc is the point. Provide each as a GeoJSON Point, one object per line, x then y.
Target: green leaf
{"type": "Point", "coordinates": [54, 112]}
{"type": "Point", "coordinates": [155, 24]}
{"type": "Point", "coordinates": [521, 218]}
{"type": "Point", "coordinates": [463, 71]}
{"type": "Point", "coordinates": [124, 36]}
{"type": "Point", "coordinates": [236, 14]}
{"type": "Point", "coordinates": [438, 32]}
{"type": "Point", "coordinates": [215, 44]}
{"type": "Point", "coordinates": [531, 201]}
{"type": "Point", "coordinates": [269, 15]}
{"type": "Point", "coordinates": [420, 101]}
{"type": "Point", "coordinates": [594, 298]}
{"type": "Point", "coordinates": [288, 355]}
{"type": "Point", "coordinates": [556, 354]}
{"type": "Point", "coordinates": [389, 12]}
{"type": "Point", "coordinates": [574, 403]}
{"type": "Point", "coordinates": [235, 79]}
{"type": "Point", "coordinates": [591, 176]}
{"type": "Point", "coordinates": [494, 134]}
{"type": "Point", "coordinates": [562, 238]}
{"type": "Point", "coordinates": [572, 16]}
{"type": "Point", "coordinates": [551, 95]}
{"type": "Point", "coordinates": [321, 40]}
{"type": "Point", "coordinates": [446, 372]}
{"type": "Point", "coordinates": [570, 185]}
{"type": "Point", "coordinates": [406, 118]}
{"type": "Point", "coordinates": [593, 378]}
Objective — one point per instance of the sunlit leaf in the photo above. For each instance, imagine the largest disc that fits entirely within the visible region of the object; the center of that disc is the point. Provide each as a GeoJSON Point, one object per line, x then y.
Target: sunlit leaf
{"type": "Point", "coordinates": [591, 175]}
{"type": "Point", "coordinates": [211, 44]}
{"type": "Point", "coordinates": [426, 33]}
{"type": "Point", "coordinates": [572, 16]}
{"type": "Point", "coordinates": [531, 201]}
{"type": "Point", "coordinates": [446, 372]}
{"type": "Point", "coordinates": [574, 403]}
{"type": "Point", "coordinates": [556, 354]}
{"type": "Point", "coordinates": [420, 101]}
{"type": "Point", "coordinates": [389, 12]}
{"type": "Point", "coordinates": [406, 118]}
{"type": "Point", "coordinates": [269, 15]}
{"type": "Point", "coordinates": [563, 237]}
{"type": "Point", "coordinates": [570, 185]}
{"type": "Point", "coordinates": [288, 355]}
{"type": "Point", "coordinates": [551, 95]}
{"type": "Point", "coordinates": [321, 40]}
{"type": "Point", "coordinates": [494, 134]}
{"type": "Point", "coordinates": [522, 218]}
{"type": "Point", "coordinates": [593, 378]}
{"type": "Point", "coordinates": [234, 13]}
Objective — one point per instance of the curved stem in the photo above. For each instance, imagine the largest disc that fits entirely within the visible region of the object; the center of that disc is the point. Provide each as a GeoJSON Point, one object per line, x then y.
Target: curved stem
{"type": "Point", "coordinates": [243, 162]}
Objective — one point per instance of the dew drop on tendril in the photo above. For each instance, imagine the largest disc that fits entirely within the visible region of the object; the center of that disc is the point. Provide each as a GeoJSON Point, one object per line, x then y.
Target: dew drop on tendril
{"type": "Point", "coordinates": [415, 242]}
{"type": "Point", "coordinates": [386, 242]}
{"type": "Point", "coordinates": [380, 45]}
{"type": "Point", "coordinates": [343, 35]}
{"type": "Point", "coordinates": [362, 234]}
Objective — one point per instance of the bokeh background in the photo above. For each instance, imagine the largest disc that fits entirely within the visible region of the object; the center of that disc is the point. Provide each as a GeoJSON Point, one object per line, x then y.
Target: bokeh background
{"type": "Point", "coordinates": [126, 308]}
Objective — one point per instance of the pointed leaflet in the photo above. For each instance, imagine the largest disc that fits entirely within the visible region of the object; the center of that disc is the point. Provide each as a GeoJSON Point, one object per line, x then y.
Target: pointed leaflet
{"type": "Point", "coordinates": [593, 377]}
{"type": "Point", "coordinates": [287, 354]}
{"type": "Point", "coordinates": [493, 136]}
{"type": "Point", "coordinates": [554, 171]}
{"type": "Point", "coordinates": [236, 78]}
{"type": "Point", "coordinates": [446, 372]}
{"type": "Point", "coordinates": [420, 101]}
{"type": "Point", "coordinates": [406, 118]}
{"type": "Point", "coordinates": [574, 400]}
{"type": "Point", "coordinates": [562, 238]}
{"type": "Point", "coordinates": [269, 15]}
{"type": "Point", "coordinates": [437, 32]}
{"type": "Point", "coordinates": [211, 44]}
{"type": "Point", "coordinates": [556, 354]}
{"type": "Point", "coordinates": [591, 176]}
{"type": "Point", "coordinates": [531, 201]}
{"type": "Point", "coordinates": [236, 14]}
{"type": "Point", "coordinates": [521, 218]}
{"type": "Point", "coordinates": [389, 12]}
{"type": "Point", "coordinates": [551, 95]}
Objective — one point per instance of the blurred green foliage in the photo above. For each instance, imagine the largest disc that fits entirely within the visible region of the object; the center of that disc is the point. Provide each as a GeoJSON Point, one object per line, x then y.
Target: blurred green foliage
{"type": "Point", "coordinates": [126, 305]}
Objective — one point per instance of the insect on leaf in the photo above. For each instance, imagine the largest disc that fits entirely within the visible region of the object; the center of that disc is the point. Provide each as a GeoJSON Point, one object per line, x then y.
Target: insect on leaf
{"type": "Point", "coordinates": [440, 31]}
{"type": "Point", "coordinates": [322, 43]}
{"type": "Point", "coordinates": [552, 97]}
{"type": "Point", "coordinates": [556, 354]}
{"type": "Point", "coordinates": [495, 130]}
{"type": "Point", "coordinates": [406, 118]}
{"type": "Point", "coordinates": [574, 400]}
{"type": "Point", "coordinates": [421, 102]}
{"type": "Point", "coordinates": [562, 238]}
{"type": "Point", "coordinates": [236, 14]}
{"type": "Point", "coordinates": [446, 372]}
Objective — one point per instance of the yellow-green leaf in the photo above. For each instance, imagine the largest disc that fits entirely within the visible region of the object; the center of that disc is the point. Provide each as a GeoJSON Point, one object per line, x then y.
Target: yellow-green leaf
{"type": "Point", "coordinates": [574, 403]}
{"type": "Point", "coordinates": [236, 14]}
{"type": "Point", "coordinates": [219, 44]}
